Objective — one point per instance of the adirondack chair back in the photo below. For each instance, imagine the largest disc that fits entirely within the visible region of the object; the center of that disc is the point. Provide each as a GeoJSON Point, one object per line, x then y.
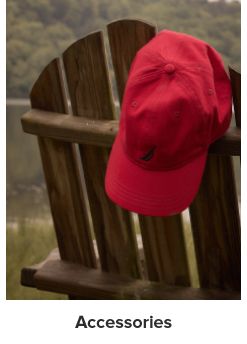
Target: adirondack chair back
{"type": "Point", "coordinates": [78, 84]}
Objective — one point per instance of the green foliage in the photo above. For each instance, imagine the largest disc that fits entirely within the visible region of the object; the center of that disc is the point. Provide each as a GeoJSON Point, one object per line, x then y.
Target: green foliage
{"type": "Point", "coordinates": [37, 31]}
{"type": "Point", "coordinates": [28, 243]}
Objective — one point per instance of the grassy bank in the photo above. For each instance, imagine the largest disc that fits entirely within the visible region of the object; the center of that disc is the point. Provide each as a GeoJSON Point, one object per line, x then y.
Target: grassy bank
{"type": "Point", "coordinates": [28, 242]}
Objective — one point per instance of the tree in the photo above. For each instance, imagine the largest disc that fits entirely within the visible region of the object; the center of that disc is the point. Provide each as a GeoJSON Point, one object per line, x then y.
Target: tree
{"type": "Point", "coordinates": [39, 30]}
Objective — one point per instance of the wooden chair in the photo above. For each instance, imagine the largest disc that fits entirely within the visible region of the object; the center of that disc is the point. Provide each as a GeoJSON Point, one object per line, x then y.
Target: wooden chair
{"type": "Point", "coordinates": [74, 117]}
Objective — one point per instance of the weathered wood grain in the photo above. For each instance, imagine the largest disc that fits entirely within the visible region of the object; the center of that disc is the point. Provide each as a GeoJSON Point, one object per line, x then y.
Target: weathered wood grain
{"type": "Point", "coordinates": [62, 176]}
{"type": "Point", "coordinates": [216, 226]}
{"type": "Point", "coordinates": [90, 94]}
{"type": "Point", "coordinates": [164, 249]}
{"type": "Point", "coordinates": [126, 36]}
{"type": "Point", "coordinates": [70, 128]}
{"type": "Point", "coordinates": [70, 278]}
{"type": "Point", "coordinates": [102, 132]}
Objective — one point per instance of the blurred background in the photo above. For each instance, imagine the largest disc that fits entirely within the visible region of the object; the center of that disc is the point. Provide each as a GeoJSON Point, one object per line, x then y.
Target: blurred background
{"type": "Point", "coordinates": [38, 31]}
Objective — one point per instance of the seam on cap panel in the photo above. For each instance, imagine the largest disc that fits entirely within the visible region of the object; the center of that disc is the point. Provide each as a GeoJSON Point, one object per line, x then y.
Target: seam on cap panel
{"type": "Point", "coordinates": [167, 55]}
{"type": "Point", "coordinates": [144, 126]}
{"type": "Point", "coordinates": [152, 59]}
{"type": "Point", "coordinates": [155, 204]}
{"type": "Point", "coordinates": [139, 77]}
{"type": "Point", "coordinates": [162, 86]}
{"type": "Point", "coordinates": [187, 88]}
{"type": "Point", "coordinates": [195, 68]}
{"type": "Point", "coordinates": [146, 208]}
{"type": "Point", "coordinates": [208, 132]}
{"type": "Point", "coordinates": [142, 196]}
{"type": "Point", "coordinates": [156, 210]}
{"type": "Point", "coordinates": [197, 106]}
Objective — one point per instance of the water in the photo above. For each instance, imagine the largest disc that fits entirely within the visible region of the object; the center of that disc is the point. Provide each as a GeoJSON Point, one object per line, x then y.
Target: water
{"type": "Point", "coordinates": [26, 192]}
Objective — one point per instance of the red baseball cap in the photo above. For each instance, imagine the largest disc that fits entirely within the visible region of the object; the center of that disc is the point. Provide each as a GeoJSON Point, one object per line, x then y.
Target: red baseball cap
{"type": "Point", "coordinates": [176, 102]}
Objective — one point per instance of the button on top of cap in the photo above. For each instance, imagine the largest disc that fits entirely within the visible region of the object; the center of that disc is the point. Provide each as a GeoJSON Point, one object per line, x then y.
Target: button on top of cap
{"type": "Point", "coordinates": [169, 68]}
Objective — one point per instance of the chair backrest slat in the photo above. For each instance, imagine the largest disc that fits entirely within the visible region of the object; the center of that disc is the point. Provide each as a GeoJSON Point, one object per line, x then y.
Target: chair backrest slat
{"type": "Point", "coordinates": [90, 94]}
{"type": "Point", "coordinates": [164, 248]}
{"type": "Point", "coordinates": [215, 217]}
{"type": "Point", "coordinates": [236, 94]}
{"type": "Point", "coordinates": [216, 226]}
{"type": "Point", "coordinates": [126, 36]}
{"type": "Point", "coordinates": [163, 240]}
{"type": "Point", "coordinates": [62, 174]}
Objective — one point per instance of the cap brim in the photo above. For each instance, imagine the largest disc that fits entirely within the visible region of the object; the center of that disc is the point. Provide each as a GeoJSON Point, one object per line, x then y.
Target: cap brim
{"type": "Point", "coordinates": [148, 192]}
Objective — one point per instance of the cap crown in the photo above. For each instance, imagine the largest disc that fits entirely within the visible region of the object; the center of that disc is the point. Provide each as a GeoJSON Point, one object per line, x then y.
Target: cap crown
{"type": "Point", "coordinates": [177, 101]}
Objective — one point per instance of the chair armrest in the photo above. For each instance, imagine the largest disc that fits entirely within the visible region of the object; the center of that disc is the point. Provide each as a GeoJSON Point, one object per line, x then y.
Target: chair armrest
{"type": "Point", "coordinates": [74, 279]}
{"type": "Point", "coordinates": [27, 273]}
{"type": "Point", "coordinates": [102, 132]}
{"type": "Point", "coordinates": [69, 128]}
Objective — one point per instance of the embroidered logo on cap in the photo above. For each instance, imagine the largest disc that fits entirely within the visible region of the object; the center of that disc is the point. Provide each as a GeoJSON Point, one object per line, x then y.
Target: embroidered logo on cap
{"type": "Point", "coordinates": [148, 156]}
